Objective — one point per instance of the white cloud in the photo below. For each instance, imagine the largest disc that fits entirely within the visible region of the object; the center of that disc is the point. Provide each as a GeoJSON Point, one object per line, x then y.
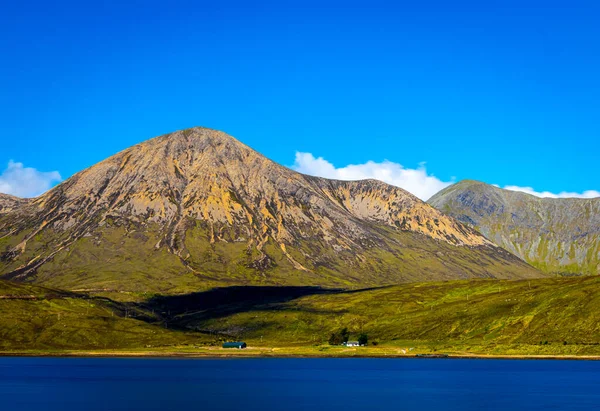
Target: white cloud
{"type": "Point", "coordinates": [415, 181]}
{"type": "Point", "coordinates": [26, 182]}
{"type": "Point", "coordinates": [547, 194]}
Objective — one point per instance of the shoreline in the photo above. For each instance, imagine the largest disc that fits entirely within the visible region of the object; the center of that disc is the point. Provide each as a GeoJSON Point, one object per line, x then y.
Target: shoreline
{"type": "Point", "coordinates": [275, 353]}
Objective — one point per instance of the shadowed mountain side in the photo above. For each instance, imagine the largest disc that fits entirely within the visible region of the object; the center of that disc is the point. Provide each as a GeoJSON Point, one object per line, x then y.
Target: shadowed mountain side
{"type": "Point", "coordinates": [223, 302]}
{"type": "Point", "coordinates": [197, 209]}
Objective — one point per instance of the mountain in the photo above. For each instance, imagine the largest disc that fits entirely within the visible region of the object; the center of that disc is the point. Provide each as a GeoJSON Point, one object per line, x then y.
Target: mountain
{"type": "Point", "coordinates": [197, 208]}
{"type": "Point", "coordinates": [556, 235]}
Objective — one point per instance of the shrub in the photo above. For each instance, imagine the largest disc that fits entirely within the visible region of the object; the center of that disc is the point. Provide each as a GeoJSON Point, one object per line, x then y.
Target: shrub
{"type": "Point", "coordinates": [335, 339]}
{"type": "Point", "coordinates": [363, 339]}
{"type": "Point", "coordinates": [340, 337]}
{"type": "Point", "coordinates": [345, 334]}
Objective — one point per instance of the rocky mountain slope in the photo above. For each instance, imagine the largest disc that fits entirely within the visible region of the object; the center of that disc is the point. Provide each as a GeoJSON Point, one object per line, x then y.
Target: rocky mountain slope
{"type": "Point", "coordinates": [555, 235]}
{"type": "Point", "coordinates": [9, 203]}
{"type": "Point", "coordinates": [198, 208]}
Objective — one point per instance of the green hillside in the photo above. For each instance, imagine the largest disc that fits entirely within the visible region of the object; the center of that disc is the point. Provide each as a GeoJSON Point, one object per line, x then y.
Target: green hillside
{"type": "Point", "coordinates": [36, 318]}
{"type": "Point", "coordinates": [542, 316]}
{"type": "Point", "coordinates": [537, 316]}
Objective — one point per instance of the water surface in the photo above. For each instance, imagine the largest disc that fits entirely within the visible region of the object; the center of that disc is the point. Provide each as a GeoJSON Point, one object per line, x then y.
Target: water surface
{"type": "Point", "coordinates": [64, 384]}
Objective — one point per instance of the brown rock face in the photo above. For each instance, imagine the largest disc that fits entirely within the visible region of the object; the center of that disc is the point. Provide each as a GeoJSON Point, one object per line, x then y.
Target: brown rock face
{"type": "Point", "coordinates": [10, 203]}
{"type": "Point", "coordinates": [220, 207]}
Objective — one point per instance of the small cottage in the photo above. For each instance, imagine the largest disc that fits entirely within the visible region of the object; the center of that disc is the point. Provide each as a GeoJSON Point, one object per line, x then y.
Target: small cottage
{"type": "Point", "coordinates": [352, 344]}
{"type": "Point", "coordinates": [236, 344]}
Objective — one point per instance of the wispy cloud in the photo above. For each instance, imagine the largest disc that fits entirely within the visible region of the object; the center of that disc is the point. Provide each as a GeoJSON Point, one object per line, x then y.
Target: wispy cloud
{"type": "Point", "coordinates": [27, 182]}
{"type": "Point", "coordinates": [416, 181]}
{"type": "Point", "coordinates": [547, 194]}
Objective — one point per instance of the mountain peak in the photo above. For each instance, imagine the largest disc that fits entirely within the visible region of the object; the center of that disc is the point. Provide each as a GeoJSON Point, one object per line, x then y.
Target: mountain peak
{"type": "Point", "coordinates": [197, 137]}
{"type": "Point", "coordinates": [216, 205]}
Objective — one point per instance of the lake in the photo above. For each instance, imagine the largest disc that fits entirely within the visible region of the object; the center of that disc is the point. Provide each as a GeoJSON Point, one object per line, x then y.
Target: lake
{"type": "Point", "coordinates": [296, 384]}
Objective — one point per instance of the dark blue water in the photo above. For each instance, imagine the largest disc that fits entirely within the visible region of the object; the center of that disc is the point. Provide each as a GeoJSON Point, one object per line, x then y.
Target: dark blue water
{"type": "Point", "coordinates": [297, 384]}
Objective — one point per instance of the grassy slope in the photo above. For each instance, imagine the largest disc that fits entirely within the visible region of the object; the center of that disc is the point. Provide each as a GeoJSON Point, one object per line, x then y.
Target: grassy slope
{"type": "Point", "coordinates": [127, 259]}
{"type": "Point", "coordinates": [44, 319]}
{"type": "Point", "coordinates": [482, 316]}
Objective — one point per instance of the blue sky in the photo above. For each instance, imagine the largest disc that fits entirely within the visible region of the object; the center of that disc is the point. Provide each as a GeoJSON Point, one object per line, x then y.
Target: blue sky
{"type": "Point", "coordinates": [500, 91]}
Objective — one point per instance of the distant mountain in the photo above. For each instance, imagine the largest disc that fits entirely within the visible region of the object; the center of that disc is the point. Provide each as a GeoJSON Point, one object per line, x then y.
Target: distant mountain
{"type": "Point", "coordinates": [197, 208]}
{"type": "Point", "coordinates": [555, 235]}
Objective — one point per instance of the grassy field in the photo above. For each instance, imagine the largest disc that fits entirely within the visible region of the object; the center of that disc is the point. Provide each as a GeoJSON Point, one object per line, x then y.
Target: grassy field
{"type": "Point", "coordinates": [550, 316]}
{"type": "Point", "coordinates": [41, 319]}
{"type": "Point", "coordinates": [543, 317]}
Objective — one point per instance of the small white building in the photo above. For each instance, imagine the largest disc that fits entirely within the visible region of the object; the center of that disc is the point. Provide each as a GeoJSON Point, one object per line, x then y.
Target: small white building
{"type": "Point", "coordinates": [352, 344]}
